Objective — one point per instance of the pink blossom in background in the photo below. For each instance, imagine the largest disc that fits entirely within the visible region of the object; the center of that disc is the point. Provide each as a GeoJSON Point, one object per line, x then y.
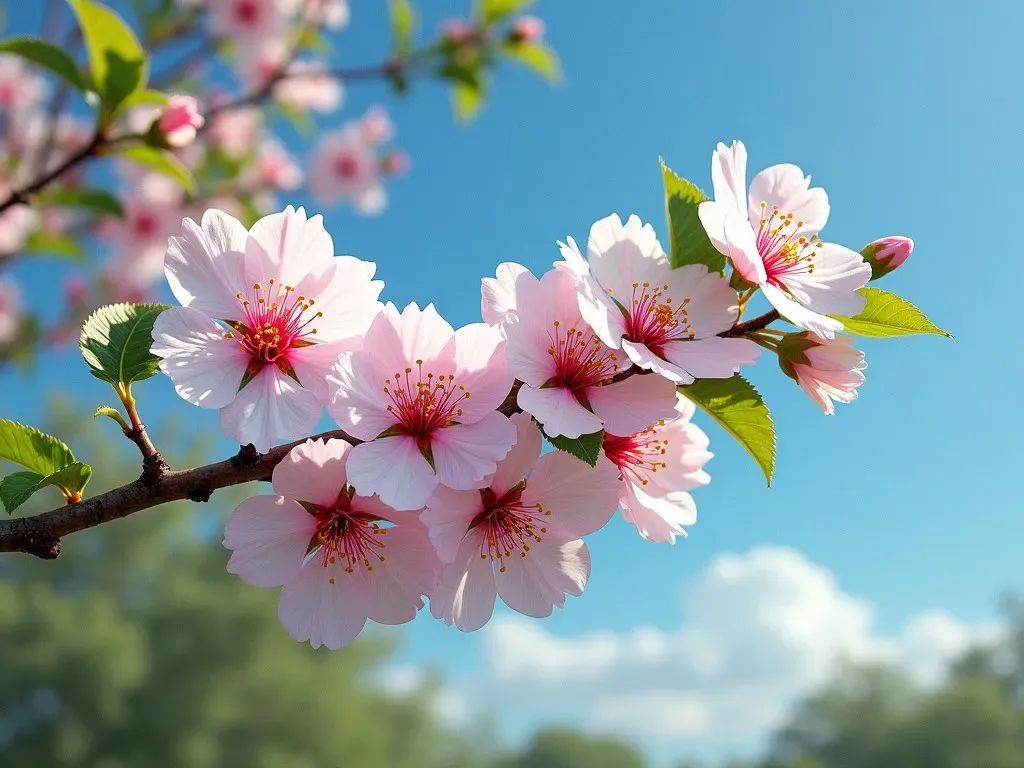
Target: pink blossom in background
{"type": "Point", "coordinates": [310, 86]}
{"type": "Point", "coordinates": [341, 557]}
{"type": "Point", "coordinates": [10, 310]}
{"type": "Point", "coordinates": [180, 120]}
{"type": "Point", "coordinates": [290, 306]}
{"type": "Point", "coordinates": [332, 14]}
{"type": "Point", "coordinates": [377, 126]}
{"type": "Point", "coordinates": [498, 293]}
{"type": "Point", "coordinates": [528, 29]}
{"type": "Point", "coordinates": [345, 167]}
{"type": "Point", "coordinates": [235, 131]}
{"type": "Point", "coordinates": [666, 320]}
{"type": "Point", "coordinates": [425, 397]}
{"type": "Point", "coordinates": [16, 224]}
{"type": "Point", "coordinates": [457, 30]}
{"type": "Point", "coordinates": [829, 371]}
{"type": "Point", "coordinates": [22, 88]}
{"type": "Point", "coordinates": [567, 371]}
{"type": "Point", "coordinates": [272, 167]}
{"type": "Point", "coordinates": [657, 465]}
{"type": "Point", "coordinates": [519, 538]}
{"type": "Point", "coordinates": [246, 21]}
{"type": "Point", "coordinates": [771, 237]}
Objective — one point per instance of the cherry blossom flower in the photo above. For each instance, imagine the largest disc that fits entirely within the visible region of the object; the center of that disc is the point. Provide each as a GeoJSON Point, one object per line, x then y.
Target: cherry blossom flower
{"type": "Point", "coordinates": [332, 14]}
{"type": "Point", "coordinates": [829, 371]}
{"type": "Point", "coordinates": [247, 20]}
{"type": "Point", "coordinates": [264, 316]}
{"type": "Point", "coordinates": [235, 131]}
{"type": "Point", "coordinates": [771, 236]}
{"type": "Point", "coordinates": [16, 224]}
{"type": "Point", "coordinates": [21, 86]}
{"type": "Point", "coordinates": [520, 537]}
{"type": "Point", "coordinates": [886, 254]}
{"type": "Point", "coordinates": [425, 396]}
{"type": "Point", "coordinates": [345, 167]}
{"type": "Point", "coordinates": [377, 126]}
{"type": "Point", "coordinates": [498, 293]}
{"type": "Point", "coordinates": [341, 557]}
{"type": "Point", "coordinates": [308, 85]}
{"type": "Point", "coordinates": [657, 465]}
{"type": "Point", "coordinates": [10, 310]}
{"type": "Point", "coordinates": [568, 373]}
{"type": "Point", "coordinates": [180, 120]}
{"type": "Point", "coordinates": [666, 320]}
{"type": "Point", "coordinates": [272, 168]}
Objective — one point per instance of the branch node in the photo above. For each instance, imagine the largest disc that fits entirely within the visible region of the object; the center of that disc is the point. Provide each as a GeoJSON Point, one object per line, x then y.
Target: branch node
{"type": "Point", "coordinates": [153, 468]}
{"type": "Point", "coordinates": [43, 547]}
{"type": "Point", "coordinates": [200, 491]}
{"type": "Point", "coordinates": [247, 456]}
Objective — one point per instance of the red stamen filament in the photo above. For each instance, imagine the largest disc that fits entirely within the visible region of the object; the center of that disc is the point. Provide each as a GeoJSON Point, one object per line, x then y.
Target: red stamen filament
{"type": "Point", "coordinates": [425, 402]}
{"type": "Point", "coordinates": [274, 320]}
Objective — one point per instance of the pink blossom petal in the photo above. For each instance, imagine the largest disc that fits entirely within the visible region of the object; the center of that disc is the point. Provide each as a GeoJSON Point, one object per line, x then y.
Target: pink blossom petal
{"type": "Point", "coordinates": [631, 405]}
{"type": "Point", "coordinates": [347, 294]}
{"type": "Point", "coordinates": [465, 454]}
{"type": "Point", "coordinates": [313, 364]}
{"type": "Point", "coordinates": [447, 516]}
{"type": "Point", "coordinates": [619, 254]}
{"type": "Point", "coordinates": [466, 592]}
{"type": "Point", "coordinates": [483, 370]}
{"type": "Point", "coordinates": [713, 306]}
{"type": "Point", "coordinates": [520, 460]}
{"type": "Point", "coordinates": [712, 215]}
{"type": "Point", "coordinates": [558, 410]}
{"type": "Point", "coordinates": [425, 335]}
{"type": "Point", "coordinates": [713, 357]}
{"type": "Point", "coordinates": [394, 469]}
{"type": "Point", "coordinates": [831, 288]}
{"type": "Point", "coordinates": [498, 293]}
{"type": "Point", "coordinates": [204, 265]}
{"type": "Point", "coordinates": [313, 471]}
{"type": "Point", "coordinates": [204, 366]}
{"type": "Point", "coordinates": [359, 403]}
{"type": "Point", "coordinates": [270, 408]}
{"type": "Point", "coordinates": [801, 316]}
{"type": "Point", "coordinates": [287, 246]}
{"type": "Point", "coordinates": [324, 613]}
{"type": "Point", "coordinates": [644, 358]}
{"type": "Point", "coordinates": [786, 186]}
{"type": "Point", "coordinates": [269, 536]}
{"type": "Point", "coordinates": [658, 517]}
{"type": "Point", "coordinates": [729, 176]}
{"type": "Point", "coordinates": [535, 584]}
{"type": "Point", "coordinates": [581, 498]}
{"type": "Point", "coordinates": [410, 569]}
{"type": "Point", "coordinates": [741, 248]}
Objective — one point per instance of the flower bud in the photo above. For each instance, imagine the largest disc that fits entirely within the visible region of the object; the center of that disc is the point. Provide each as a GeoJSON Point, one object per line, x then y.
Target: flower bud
{"type": "Point", "coordinates": [179, 121]}
{"type": "Point", "coordinates": [829, 371]}
{"type": "Point", "coordinates": [457, 30]}
{"type": "Point", "coordinates": [886, 254]}
{"type": "Point", "coordinates": [395, 163]}
{"type": "Point", "coordinates": [527, 29]}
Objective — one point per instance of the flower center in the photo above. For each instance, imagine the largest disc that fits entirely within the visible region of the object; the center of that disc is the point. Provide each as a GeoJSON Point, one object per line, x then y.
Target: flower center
{"type": "Point", "coordinates": [581, 360]}
{"type": "Point", "coordinates": [346, 167]}
{"type": "Point", "coordinates": [247, 12]}
{"type": "Point", "coordinates": [783, 252]}
{"type": "Point", "coordinates": [342, 534]}
{"type": "Point", "coordinates": [145, 225]}
{"type": "Point", "coordinates": [639, 455]}
{"type": "Point", "coordinates": [653, 319]}
{"type": "Point", "coordinates": [508, 525]}
{"type": "Point", "coordinates": [423, 402]}
{"type": "Point", "coordinates": [275, 321]}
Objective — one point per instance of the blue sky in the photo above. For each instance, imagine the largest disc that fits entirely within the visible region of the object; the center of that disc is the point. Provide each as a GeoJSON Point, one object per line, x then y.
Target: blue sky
{"type": "Point", "coordinates": [907, 113]}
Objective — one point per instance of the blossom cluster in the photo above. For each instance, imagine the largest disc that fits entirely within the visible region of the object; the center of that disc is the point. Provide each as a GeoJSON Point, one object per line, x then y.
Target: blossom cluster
{"type": "Point", "coordinates": [437, 485]}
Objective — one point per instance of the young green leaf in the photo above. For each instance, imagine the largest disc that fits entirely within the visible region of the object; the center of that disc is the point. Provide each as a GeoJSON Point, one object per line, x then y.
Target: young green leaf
{"type": "Point", "coordinates": [95, 199]}
{"type": "Point", "coordinates": [492, 11]}
{"type": "Point", "coordinates": [71, 480]}
{"type": "Point", "coordinates": [538, 57]}
{"type": "Point", "coordinates": [32, 449]}
{"type": "Point", "coordinates": [115, 342]}
{"type": "Point", "coordinates": [117, 62]}
{"type": "Point", "coordinates": [403, 25]}
{"type": "Point", "coordinates": [689, 243]}
{"type": "Point", "coordinates": [585, 447]}
{"type": "Point", "coordinates": [17, 488]}
{"type": "Point", "coordinates": [54, 245]}
{"type": "Point", "coordinates": [887, 315]}
{"type": "Point", "coordinates": [49, 56]}
{"type": "Point", "coordinates": [467, 101]}
{"type": "Point", "coordinates": [739, 409]}
{"type": "Point", "coordinates": [161, 162]}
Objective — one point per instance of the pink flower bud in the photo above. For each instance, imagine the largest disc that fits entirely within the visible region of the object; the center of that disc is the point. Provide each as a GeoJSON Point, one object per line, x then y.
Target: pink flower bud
{"type": "Point", "coordinates": [528, 29]}
{"type": "Point", "coordinates": [395, 163]}
{"type": "Point", "coordinates": [179, 121]}
{"type": "Point", "coordinates": [886, 254]}
{"type": "Point", "coordinates": [457, 30]}
{"type": "Point", "coordinates": [829, 371]}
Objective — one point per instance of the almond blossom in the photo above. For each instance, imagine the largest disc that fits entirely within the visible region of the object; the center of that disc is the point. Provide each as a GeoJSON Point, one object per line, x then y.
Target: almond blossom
{"type": "Point", "coordinates": [341, 557]}
{"type": "Point", "coordinates": [666, 320]}
{"type": "Point", "coordinates": [657, 465]}
{"type": "Point", "coordinates": [520, 537]}
{"type": "Point", "coordinates": [21, 86]}
{"type": "Point", "coordinates": [345, 166]}
{"type": "Point", "coordinates": [829, 371]}
{"type": "Point", "coordinates": [264, 315]}
{"type": "Point", "coordinates": [771, 236]}
{"type": "Point", "coordinates": [424, 395]}
{"type": "Point", "coordinates": [568, 373]}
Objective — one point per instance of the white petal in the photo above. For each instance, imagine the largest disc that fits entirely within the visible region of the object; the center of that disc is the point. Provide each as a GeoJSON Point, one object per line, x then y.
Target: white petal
{"type": "Point", "coordinates": [269, 409]}
{"type": "Point", "coordinates": [644, 358]}
{"type": "Point", "coordinates": [287, 246]}
{"type": "Point", "coordinates": [324, 613]}
{"type": "Point", "coordinates": [521, 459]}
{"type": "Point", "coordinates": [832, 287]}
{"type": "Point", "coordinates": [313, 471]}
{"type": "Point", "coordinates": [729, 176]}
{"type": "Point", "coordinates": [394, 469]}
{"type": "Point", "coordinates": [786, 186]}
{"type": "Point", "coordinates": [713, 357]}
{"type": "Point", "coordinates": [632, 405]}
{"type": "Point", "coordinates": [498, 294]}
{"type": "Point", "coordinates": [535, 584]}
{"type": "Point", "coordinates": [465, 454]}
{"type": "Point", "coordinates": [799, 315]}
{"type": "Point", "coordinates": [581, 498]}
{"type": "Point", "coordinates": [558, 410]}
{"type": "Point", "coordinates": [269, 536]}
{"type": "Point", "coordinates": [204, 265]}
{"type": "Point", "coordinates": [447, 516]}
{"type": "Point", "coordinates": [466, 593]}
{"type": "Point", "coordinates": [658, 518]}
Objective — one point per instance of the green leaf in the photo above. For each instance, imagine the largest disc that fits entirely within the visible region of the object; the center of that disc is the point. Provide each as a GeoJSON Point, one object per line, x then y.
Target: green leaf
{"type": "Point", "coordinates": [146, 98]}
{"type": "Point", "coordinates": [115, 342]}
{"type": "Point", "coordinates": [585, 447]}
{"type": "Point", "coordinates": [492, 11]}
{"type": "Point", "coordinates": [467, 101]}
{"type": "Point", "coordinates": [32, 449]}
{"type": "Point", "coordinates": [17, 488]}
{"type": "Point", "coordinates": [113, 413]}
{"type": "Point", "coordinates": [163, 162]}
{"type": "Point", "coordinates": [49, 56]}
{"type": "Point", "coordinates": [403, 24]}
{"type": "Point", "coordinates": [887, 315]}
{"type": "Point", "coordinates": [54, 245]}
{"type": "Point", "coordinates": [537, 57]}
{"type": "Point", "coordinates": [689, 241]}
{"type": "Point", "coordinates": [739, 409]}
{"type": "Point", "coordinates": [117, 62]}
{"type": "Point", "coordinates": [71, 480]}
{"type": "Point", "coordinates": [95, 199]}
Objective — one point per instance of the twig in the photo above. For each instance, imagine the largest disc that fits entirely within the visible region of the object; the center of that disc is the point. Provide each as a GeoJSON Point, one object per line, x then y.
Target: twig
{"type": "Point", "coordinates": [21, 195]}
{"type": "Point", "coordinates": [154, 467]}
{"type": "Point", "coordinates": [754, 324]}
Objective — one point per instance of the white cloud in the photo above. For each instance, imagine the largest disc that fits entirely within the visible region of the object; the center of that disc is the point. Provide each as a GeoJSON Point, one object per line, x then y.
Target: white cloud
{"type": "Point", "coordinates": [758, 631]}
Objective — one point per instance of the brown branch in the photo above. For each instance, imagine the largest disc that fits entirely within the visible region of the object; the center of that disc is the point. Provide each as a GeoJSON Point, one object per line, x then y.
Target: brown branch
{"type": "Point", "coordinates": [22, 194]}
{"type": "Point", "coordinates": [754, 324]}
{"type": "Point", "coordinates": [40, 535]}
{"type": "Point", "coordinates": [154, 467]}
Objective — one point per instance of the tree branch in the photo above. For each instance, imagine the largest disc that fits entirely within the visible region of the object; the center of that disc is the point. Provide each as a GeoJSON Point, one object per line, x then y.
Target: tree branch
{"type": "Point", "coordinates": [40, 535]}
{"type": "Point", "coordinates": [21, 195]}
{"type": "Point", "coordinates": [754, 324]}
